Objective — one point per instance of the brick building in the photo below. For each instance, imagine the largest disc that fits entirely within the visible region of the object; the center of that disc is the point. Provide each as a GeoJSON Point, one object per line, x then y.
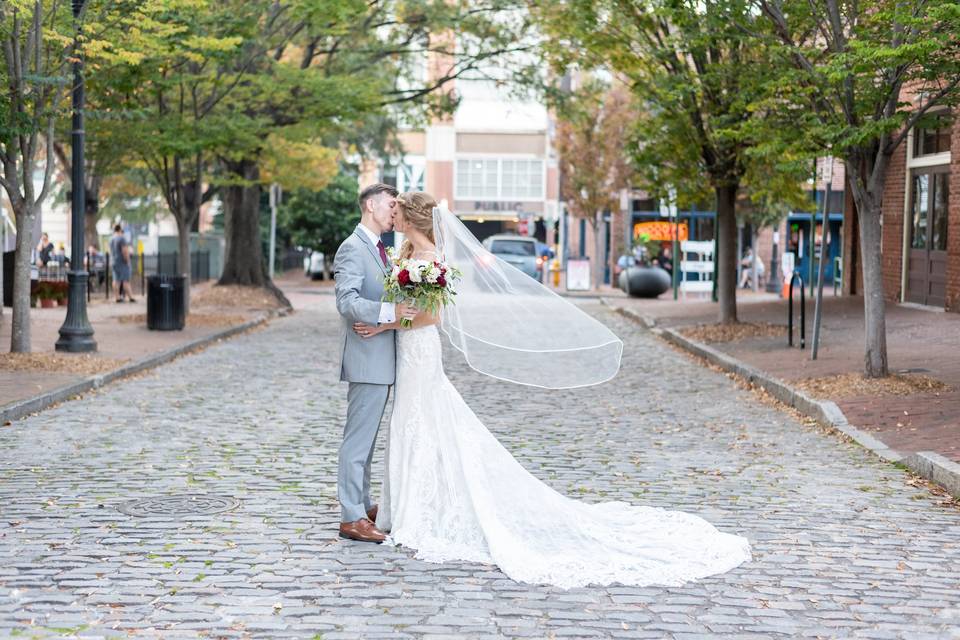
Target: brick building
{"type": "Point", "coordinates": [921, 221]}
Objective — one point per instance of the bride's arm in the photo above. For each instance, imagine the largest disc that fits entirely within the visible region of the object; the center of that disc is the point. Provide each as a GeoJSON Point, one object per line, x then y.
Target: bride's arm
{"type": "Point", "coordinates": [423, 319]}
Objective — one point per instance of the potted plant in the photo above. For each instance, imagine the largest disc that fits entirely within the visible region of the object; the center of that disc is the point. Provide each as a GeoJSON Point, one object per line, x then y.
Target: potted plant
{"type": "Point", "coordinates": [646, 279]}
{"type": "Point", "coordinates": [47, 294]}
{"type": "Point", "coordinates": [62, 289]}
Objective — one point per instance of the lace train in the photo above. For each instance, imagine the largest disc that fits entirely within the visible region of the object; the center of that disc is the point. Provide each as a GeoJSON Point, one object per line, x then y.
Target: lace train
{"type": "Point", "coordinates": [453, 492]}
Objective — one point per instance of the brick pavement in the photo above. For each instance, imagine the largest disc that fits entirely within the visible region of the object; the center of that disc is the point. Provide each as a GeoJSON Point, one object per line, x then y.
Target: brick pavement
{"type": "Point", "coordinates": [917, 340]}
{"type": "Point", "coordinates": [844, 545]}
{"type": "Point", "coordinates": [120, 341]}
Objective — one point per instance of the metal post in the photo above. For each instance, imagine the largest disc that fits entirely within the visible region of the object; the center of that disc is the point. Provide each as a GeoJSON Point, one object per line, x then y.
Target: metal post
{"type": "Point", "coordinates": [274, 201]}
{"type": "Point", "coordinates": [76, 334]}
{"type": "Point", "coordinates": [673, 253]}
{"type": "Point", "coordinates": [803, 311]}
{"type": "Point", "coordinates": [817, 310]}
{"type": "Point", "coordinates": [774, 281]}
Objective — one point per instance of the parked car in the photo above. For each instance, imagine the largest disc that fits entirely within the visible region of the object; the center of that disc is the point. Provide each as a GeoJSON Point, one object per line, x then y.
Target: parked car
{"type": "Point", "coordinates": [313, 265]}
{"type": "Point", "coordinates": [518, 251]}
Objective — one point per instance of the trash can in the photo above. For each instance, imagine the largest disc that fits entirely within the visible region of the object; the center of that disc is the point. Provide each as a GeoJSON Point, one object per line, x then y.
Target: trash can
{"type": "Point", "coordinates": [166, 308]}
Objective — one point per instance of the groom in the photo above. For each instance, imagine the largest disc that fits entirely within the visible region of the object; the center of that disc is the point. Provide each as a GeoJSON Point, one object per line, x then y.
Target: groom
{"type": "Point", "coordinates": [368, 364]}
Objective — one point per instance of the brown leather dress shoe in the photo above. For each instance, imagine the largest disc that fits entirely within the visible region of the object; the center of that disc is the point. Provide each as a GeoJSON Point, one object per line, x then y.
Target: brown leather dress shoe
{"type": "Point", "coordinates": [362, 530]}
{"type": "Point", "coordinates": [372, 513]}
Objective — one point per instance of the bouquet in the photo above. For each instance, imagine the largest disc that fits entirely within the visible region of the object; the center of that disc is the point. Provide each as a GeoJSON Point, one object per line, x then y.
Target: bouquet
{"type": "Point", "coordinates": [425, 284]}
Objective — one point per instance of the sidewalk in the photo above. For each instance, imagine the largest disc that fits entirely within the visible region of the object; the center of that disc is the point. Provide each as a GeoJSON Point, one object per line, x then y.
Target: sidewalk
{"type": "Point", "coordinates": [911, 412]}
{"type": "Point", "coordinates": [122, 338]}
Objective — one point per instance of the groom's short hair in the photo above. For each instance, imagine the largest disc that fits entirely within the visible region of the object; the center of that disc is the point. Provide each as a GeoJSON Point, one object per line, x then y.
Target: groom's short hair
{"type": "Point", "coordinates": [375, 190]}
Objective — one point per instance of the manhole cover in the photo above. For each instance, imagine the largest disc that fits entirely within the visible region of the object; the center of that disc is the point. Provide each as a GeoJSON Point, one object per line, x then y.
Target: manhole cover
{"type": "Point", "coordinates": [197, 504]}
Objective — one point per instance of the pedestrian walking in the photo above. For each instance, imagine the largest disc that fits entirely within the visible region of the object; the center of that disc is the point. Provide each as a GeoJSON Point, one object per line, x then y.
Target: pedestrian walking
{"type": "Point", "coordinates": [120, 249]}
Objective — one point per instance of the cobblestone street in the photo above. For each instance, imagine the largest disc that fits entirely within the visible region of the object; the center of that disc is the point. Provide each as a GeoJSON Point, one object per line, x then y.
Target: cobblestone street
{"type": "Point", "coordinates": [844, 545]}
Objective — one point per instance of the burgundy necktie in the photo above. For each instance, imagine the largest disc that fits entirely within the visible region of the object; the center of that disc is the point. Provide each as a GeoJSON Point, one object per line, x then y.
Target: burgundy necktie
{"type": "Point", "coordinates": [383, 253]}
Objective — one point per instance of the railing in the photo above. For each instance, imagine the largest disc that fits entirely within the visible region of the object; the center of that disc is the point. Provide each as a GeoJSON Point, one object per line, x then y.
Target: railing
{"type": "Point", "coordinates": [100, 269]}
{"type": "Point", "coordinates": [803, 312]}
{"type": "Point", "coordinates": [291, 260]}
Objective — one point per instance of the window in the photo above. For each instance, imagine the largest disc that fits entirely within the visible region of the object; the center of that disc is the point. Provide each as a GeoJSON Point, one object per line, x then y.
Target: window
{"type": "Point", "coordinates": [405, 176]}
{"type": "Point", "coordinates": [513, 247]}
{"type": "Point", "coordinates": [477, 178]}
{"type": "Point", "coordinates": [934, 137]}
{"type": "Point", "coordinates": [521, 179]}
{"type": "Point", "coordinates": [500, 179]}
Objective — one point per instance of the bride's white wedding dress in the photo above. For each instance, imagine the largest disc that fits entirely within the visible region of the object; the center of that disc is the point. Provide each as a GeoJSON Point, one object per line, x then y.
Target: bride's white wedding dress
{"type": "Point", "coordinates": [453, 492]}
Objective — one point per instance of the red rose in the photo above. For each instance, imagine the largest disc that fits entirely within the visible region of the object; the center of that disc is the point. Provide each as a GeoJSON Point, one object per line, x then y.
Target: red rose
{"type": "Point", "coordinates": [403, 277]}
{"type": "Point", "coordinates": [441, 281]}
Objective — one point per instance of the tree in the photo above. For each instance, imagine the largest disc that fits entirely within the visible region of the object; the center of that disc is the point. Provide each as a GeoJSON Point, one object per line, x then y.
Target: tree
{"type": "Point", "coordinates": [842, 69]}
{"type": "Point", "coordinates": [591, 156]}
{"type": "Point", "coordinates": [321, 220]}
{"type": "Point", "coordinates": [772, 187]}
{"type": "Point", "coordinates": [37, 42]}
{"type": "Point", "coordinates": [174, 92]}
{"type": "Point", "coordinates": [333, 69]}
{"type": "Point", "coordinates": [695, 73]}
{"type": "Point", "coordinates": [32, 76]}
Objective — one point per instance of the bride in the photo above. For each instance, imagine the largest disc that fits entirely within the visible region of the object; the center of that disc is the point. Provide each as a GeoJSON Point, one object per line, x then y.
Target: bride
{"type": "Point", "coordinates": [452, 492]}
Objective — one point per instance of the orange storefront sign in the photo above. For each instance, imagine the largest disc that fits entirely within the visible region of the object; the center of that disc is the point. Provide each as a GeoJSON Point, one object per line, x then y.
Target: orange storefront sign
{"type": "Point", "coordinates": [662, 231]}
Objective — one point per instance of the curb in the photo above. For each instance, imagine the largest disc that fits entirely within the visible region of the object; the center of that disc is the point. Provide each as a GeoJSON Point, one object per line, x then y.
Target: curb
{"type": "Point", "coordinates": [927, 464]}
{"type": "Point", "coordinates": [21, 408]}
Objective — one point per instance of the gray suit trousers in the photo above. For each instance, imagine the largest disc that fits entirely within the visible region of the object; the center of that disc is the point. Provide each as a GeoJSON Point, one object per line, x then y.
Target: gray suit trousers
{"type": "Point", "coordinates": [365, 406]}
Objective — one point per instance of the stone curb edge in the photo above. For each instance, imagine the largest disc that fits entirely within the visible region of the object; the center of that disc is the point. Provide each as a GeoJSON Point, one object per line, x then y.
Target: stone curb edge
{"type": "Point", "coordinates": [22, 408]}
{"type": "Point", "coordinates": [926, 464]}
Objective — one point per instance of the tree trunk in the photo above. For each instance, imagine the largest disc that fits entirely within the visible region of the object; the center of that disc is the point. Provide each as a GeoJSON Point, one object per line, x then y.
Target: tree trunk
{"type": "Point", "coordinates": [91, 213]}
{"type": "Point", "coordinates": [20, 325]}
{"type": "Point", "coordinates": [183, 258]}
{"type": "Point", "coordinates": [243, 263]}
{"type": "Point", "coordinates": [874, 305]}
{"type": "Point", "coordinates": [727, 253]}
{"type": "Point", "coordinates": [327, 264]}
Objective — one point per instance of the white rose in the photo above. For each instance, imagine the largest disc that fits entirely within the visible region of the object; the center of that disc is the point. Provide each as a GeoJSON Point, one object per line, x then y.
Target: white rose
{"type": "Point", "coordinates": [414, 273]}
{"type": "Point", "coordinates": [432, 274]}
{"type": "Point", "coordinates": [396, 271]}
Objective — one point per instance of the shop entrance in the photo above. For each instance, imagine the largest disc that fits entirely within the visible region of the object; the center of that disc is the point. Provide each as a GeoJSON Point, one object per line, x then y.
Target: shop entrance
{"type": "Point", "coordinates": [927, 257]}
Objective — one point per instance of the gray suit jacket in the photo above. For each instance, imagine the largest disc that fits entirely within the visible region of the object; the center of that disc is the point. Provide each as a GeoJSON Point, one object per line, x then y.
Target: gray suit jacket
{"type": "Point", "coordinates": [359, 275]}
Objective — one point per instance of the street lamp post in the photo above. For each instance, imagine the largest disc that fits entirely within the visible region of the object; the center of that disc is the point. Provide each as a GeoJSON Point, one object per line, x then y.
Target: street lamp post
{"type": "Point", "coordinates": [76, 334]}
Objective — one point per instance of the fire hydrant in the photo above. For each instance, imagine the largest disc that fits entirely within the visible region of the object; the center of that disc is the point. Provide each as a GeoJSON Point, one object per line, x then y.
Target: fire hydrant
{"type": "Point", "coordinates": [555, 268]}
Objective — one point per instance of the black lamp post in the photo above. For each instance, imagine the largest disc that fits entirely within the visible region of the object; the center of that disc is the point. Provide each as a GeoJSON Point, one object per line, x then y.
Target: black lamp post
{"type": "Point", "coordinates": [76, 334]}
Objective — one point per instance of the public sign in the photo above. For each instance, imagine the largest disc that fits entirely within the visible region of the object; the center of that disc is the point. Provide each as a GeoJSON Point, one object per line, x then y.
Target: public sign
{"type": "Point", "coordinates": [659, 231]}
{"type": "Point", "coordinates": [578, 274]}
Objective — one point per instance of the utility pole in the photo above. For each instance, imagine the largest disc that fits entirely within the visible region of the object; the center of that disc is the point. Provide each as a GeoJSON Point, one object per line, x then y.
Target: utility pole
{"type": "Point", "coordinates": [817, 310]}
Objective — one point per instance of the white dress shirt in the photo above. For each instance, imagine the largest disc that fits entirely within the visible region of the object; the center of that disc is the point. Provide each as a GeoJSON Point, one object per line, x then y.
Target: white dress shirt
{"type": "Point", "coordinates": [388, 310]}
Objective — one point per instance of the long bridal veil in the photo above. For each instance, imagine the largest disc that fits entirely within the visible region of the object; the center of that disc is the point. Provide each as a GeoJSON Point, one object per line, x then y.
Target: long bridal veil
{"type": "Point", "coordinates": [511, 327]}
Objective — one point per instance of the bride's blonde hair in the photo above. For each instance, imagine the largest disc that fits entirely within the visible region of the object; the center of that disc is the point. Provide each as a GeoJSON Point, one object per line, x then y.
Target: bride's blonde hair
{"type": "Point", "coordinates": [417, 208]}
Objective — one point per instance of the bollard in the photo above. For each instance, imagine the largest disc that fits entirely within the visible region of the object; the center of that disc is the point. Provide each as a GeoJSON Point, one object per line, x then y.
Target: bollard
{"type": "Point", "coordinates": [803, 312]}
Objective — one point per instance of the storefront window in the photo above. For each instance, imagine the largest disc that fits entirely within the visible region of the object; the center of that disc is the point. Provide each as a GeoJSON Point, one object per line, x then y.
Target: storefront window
{"type": "Point", "coordinates": [941, 192]}
{"type": "Point", "coordinates": [921, 210]}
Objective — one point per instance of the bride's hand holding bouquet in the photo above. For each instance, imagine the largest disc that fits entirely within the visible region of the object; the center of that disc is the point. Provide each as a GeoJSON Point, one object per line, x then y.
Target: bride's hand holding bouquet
{"type": "Point", "coordinates": [428, 285]}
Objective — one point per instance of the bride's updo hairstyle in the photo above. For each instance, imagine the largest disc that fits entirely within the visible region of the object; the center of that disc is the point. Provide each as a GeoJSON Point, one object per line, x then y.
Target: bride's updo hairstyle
{"type": "Point", "coordinates": [417, 209]}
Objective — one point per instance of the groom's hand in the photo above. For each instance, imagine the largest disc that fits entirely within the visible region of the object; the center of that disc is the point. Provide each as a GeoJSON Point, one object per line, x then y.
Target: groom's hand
{"type": "Point", "coordinates": [366, 330]}
{"type": "Point", "coordinates": [407, 311]}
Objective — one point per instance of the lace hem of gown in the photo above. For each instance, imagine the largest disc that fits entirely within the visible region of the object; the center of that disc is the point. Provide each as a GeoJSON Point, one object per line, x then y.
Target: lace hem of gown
{"type": "Point", "coordinates": [453, 492]}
